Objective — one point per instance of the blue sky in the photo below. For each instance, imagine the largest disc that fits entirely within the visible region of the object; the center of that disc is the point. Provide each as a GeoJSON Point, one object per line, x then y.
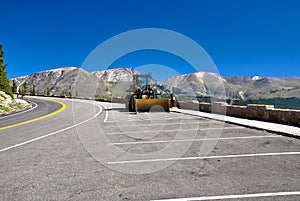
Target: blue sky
{"type": "Point", "coordinates": [243, 37]}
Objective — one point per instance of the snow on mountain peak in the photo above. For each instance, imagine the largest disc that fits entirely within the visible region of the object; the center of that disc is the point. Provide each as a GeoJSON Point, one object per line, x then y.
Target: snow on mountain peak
{"type": "Point", "coordinates": [254, 78]}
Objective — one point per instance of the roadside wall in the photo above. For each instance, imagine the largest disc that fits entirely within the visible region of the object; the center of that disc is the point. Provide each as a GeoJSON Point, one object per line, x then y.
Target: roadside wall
{"type": "Point", "coordinates": [251, 111]}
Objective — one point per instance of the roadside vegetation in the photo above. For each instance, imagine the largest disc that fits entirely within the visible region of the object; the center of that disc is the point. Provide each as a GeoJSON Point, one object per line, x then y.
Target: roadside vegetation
{"type": "Point", "coordinates": [8, 103]}
{"type": "Point", "coordinates": [4, 81]}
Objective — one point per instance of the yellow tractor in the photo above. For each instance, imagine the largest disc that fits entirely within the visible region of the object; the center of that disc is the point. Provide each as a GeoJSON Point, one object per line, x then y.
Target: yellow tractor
{"type": "Point", "coordinates": [144, 97]}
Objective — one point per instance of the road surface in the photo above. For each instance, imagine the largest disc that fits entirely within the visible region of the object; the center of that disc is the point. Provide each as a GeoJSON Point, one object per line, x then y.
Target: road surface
{"type": "Point", "coordinates": [98, 151]}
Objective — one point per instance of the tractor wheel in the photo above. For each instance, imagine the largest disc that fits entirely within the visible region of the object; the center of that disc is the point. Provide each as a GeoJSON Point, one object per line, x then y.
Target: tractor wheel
{"type": "Point", "coordinates": [132, 104]}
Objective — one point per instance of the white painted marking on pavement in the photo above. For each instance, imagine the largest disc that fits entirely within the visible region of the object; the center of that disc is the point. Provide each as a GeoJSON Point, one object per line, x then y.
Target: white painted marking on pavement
{"type": "Point", "coordinates": [137, 119]}
{"type": "Point", "coordinates": [11, 115]}
{"type": "Point", "coordinates": [177, 130]}
{"type": "Point", "coordinates": [223, 197]}
{"type": "Point", "coordinates": [106, 116]}
{"type": "Point", "coordinates": [50, 134]}
{"type": "Point", "coordinates": [159, 124]}
{"type": "Point", "coordinates": [195, 140]}
{"type": "Point", "coordinates": [204, 157]}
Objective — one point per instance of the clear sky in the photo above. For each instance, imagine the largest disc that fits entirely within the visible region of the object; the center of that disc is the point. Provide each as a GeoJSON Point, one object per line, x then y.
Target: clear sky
{"type": "Point", "coordinates": [243, 37]}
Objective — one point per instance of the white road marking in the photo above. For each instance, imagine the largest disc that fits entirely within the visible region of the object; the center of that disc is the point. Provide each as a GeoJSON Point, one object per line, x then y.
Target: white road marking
{"type": "Point", "coordinates": [195, 140]}
{"type": "Point", "coordinates": [137, 119]}
{"type": "Point", "coordinates": [106, 111]}
{"type": "Point", "coordinates": [159, 124]}
{"type": "Point", "coordinates": [203, 157]}
{"type": "Point", "coordinates": [223, 197]}
{"type": "Point", "coordinates": [50, 134]}
{"type": "Point", "coordinates": [11, 115]}
{"type": "Point", "coordinates": [176, 130]}
{"type": "Point", "coordinates": [106, 116]}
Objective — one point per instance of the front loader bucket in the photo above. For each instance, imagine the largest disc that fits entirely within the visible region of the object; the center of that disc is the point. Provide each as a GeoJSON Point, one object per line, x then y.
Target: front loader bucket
{"type": "Point", "coordinates": [159, 104]}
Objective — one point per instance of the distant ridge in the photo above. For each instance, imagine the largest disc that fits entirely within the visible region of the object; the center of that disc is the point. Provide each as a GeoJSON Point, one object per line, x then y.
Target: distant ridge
{"type": "Point", "coordinates": [241, 88]}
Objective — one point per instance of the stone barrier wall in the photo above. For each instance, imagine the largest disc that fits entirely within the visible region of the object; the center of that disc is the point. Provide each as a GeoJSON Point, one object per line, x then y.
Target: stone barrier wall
{"type": "Point", "coordinates": [251, 111]}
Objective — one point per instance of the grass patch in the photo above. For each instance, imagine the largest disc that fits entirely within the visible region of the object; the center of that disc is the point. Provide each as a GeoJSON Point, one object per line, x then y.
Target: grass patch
{"type": "Point", "coordinates": [16, 106]}
{"type": "Point", "coordinates": [6, 109]}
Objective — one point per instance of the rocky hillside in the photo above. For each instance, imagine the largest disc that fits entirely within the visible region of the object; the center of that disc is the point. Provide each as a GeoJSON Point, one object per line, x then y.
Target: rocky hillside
{"type": "Point", "coordinates": [196, 84]}
{"type": "Point", "coordinates": [80, 83]}
{"type": "Point", "coordinates": [116, 74]}
{"type": "Point", "coordinates": [61, 81]}
{"type": "Point", "coordinates": [73, 81]}
{"type": "Point", "coordinates": [244, 88]}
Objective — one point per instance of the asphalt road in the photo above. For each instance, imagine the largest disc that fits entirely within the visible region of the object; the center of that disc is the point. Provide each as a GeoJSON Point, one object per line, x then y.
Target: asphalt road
{"type": "Point", "coordinates": [39, 108]}
{"type": "Point", "coordinates": [87, 152]}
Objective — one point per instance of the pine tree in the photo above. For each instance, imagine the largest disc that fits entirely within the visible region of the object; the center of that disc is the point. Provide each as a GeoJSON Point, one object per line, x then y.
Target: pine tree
{"type": "Point", "coordinates": [4, 81]}
{"type": "Point", "coordinates": [48, 91]}
{"type": "Point", "coordinates": [25, 88]}
{"type": "Point", "coordinates": [70, 91]}
{"type": "Point", "coordinates": [32, 90]}
{"type": "Point", "coordinates": [14, 87]}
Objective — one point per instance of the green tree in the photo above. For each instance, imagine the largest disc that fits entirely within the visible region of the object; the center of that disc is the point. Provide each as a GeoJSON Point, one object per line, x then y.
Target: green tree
{"type": "Point", "coordinates": [4, 81]}
{"type": "Point", "coordinates": [70, 91]}
{"type": "Point", "coordinates": [25, 88]}
{"type": "Point", "coordinates": [61, 94]}
{"type": "Point", "coordinates": [14, 87]}
{"type": "Point", "coordinates": [48, 91]}
{"type": "Point", "coordinates": [32, 90]}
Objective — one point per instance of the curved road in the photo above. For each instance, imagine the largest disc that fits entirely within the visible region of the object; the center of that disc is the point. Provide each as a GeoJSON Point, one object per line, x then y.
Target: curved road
{"type": "Point", "coordinates": [39, 108]}
{"type": "Point", "coordinates": [46, 159]}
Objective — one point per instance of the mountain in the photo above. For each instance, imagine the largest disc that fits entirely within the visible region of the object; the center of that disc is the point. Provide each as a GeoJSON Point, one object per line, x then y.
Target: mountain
{"type": "Point", "coordinates": [196, 84]}
{"type": "Point", "coordinates": [271, 90]}
{"type": "Point", "coordinates": [238, 87]}
{"type": "Point", "coordinates": [60, 81]}
{"type": "Point", "coordinates": [114, 82]}
{"type": "Point", "coordinates": [116, 74]}
{"type": "Point", "coordinates": [73, 81]}
{"type": "Point", "coordinates": [259, 87]}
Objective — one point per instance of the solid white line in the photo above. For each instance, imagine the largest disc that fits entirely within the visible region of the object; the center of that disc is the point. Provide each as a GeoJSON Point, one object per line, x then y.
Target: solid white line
{"type": "Point", "coordinates": [136, 119]}
{"type": "Point", "coordinates": [223, 197]}
{"type": "Point", "coordinates": [11, 115]}
{"type": "Point", "coordinates": [203, 157]}
{"type": "Point", "coordinates": [195, 140]}
{"type": "Point", "coordinates": [159, 124]}
{"type": "Point", "coordinates": [50, 134]}
{"type": "Point", "coordinates": [106, 116]}
{"type": "Point", "coordinates": [106, 112]}
{"type": "Point", "coordinates": [176, 130]}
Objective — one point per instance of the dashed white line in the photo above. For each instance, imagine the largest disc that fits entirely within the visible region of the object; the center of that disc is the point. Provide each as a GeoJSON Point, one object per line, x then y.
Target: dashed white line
{"type": "Point", "coordinates": [50, 134]}
{"type": "Point", "coordinates": [224, 197]}
{"type": "Point", "coordinates": [195, 140]}
{"type": "Point", "coordinates": [203, 157]}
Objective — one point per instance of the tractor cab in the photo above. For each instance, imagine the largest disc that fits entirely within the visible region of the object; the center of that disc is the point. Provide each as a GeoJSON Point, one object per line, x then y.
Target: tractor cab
{"type": "Point", "coordinates": [143, 96]}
